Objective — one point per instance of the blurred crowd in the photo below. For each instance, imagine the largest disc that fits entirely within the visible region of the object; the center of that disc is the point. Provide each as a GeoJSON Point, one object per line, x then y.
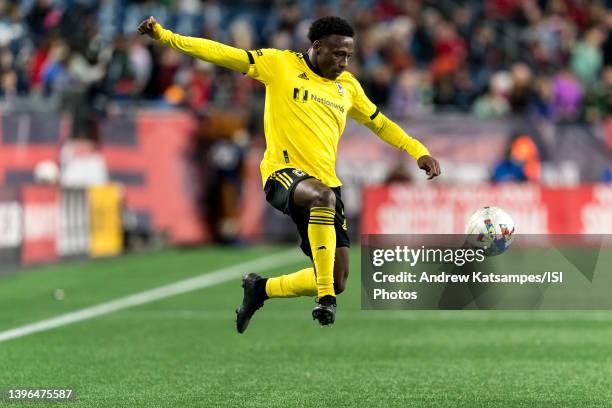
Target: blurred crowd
{"type": "Point", "coordinates": [549, 59]}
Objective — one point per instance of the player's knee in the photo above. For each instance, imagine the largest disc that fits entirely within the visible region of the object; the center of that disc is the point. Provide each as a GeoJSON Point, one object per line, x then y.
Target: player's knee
{"type": "Point", "coordinates": [324, 197]}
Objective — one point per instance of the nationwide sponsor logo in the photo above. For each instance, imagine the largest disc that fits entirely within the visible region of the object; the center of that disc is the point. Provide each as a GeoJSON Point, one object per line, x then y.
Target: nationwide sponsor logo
{"type": "Point", "coordinates": [327, 102]}
{"type": "Point", "coordinates": [302, 95]}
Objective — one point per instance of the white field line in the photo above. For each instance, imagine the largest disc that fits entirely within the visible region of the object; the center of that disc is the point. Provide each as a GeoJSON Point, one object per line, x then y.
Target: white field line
{"type": "Point", "coordinates": [184, 286]}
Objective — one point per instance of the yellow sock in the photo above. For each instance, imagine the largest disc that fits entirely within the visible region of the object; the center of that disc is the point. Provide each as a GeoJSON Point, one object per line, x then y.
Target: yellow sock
{"type": "Point", "coordinates": [300, 283]}
{"type": "Point", "coordinates": [322, 236]}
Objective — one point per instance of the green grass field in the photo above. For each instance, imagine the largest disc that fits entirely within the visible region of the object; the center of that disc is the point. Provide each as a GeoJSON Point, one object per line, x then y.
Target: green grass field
{"type": "Point", "coordinates": [183, 351]}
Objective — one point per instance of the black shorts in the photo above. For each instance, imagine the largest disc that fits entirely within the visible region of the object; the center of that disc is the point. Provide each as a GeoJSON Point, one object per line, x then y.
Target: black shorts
{"type": "Point", "coordinates": [279, 193]}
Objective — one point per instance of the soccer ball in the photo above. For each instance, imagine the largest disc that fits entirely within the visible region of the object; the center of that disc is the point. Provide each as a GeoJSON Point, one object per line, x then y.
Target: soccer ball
{"type": "Point", "coordinates": [46, 172]}
{"type": "Point", "coordinates": [491, 229]}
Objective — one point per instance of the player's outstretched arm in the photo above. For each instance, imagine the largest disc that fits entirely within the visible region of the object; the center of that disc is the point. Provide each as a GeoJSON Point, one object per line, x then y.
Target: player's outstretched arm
{"type": "Point", "coordinates": [391, 133]}
{"type": "Point", "coordinates": [207, 50]}
{"type": "Point", "coordinates": [366, 113]}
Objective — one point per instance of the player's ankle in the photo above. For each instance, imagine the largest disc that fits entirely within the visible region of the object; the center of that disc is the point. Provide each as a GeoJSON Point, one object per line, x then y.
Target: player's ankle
{"type": "Point", "coordinates": [260, 289]}
{"type": "Point", "coordinates": [327, 299]}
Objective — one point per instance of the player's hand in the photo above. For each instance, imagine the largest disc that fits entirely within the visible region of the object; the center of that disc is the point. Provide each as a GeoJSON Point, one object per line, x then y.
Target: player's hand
{"type": "Point", "coordinates": [430, 165]}
{"type": "Point", "coordinates": [148, 27]}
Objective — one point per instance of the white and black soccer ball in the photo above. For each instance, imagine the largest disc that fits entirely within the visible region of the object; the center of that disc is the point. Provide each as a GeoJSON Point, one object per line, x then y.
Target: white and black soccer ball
{"type": "Point", "coordinates": [46, 172]}
{"type": "Point", "coordinates": [491, 229]}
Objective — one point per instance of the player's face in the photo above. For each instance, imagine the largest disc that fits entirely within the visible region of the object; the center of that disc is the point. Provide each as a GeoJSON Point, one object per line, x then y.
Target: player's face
{"type": "Point", "coordinates": [333, 54]}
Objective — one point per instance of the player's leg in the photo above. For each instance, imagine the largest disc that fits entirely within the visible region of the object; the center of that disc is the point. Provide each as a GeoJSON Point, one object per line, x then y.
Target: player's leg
{"type": "Point", "coordinates": [341, 269]}
{"type": "Point", "coordinates": [341, 263]}
{"type": "Point", "coordinates": [301, 283]}
{"type": "Point", "coordinates": [320, 201]}
{"type": "Point", "coordinates": [296, 194]}
{"type": "Point", "coordinates": [304, 281]}
{"type": "Point", "coordinates": [279, 190]}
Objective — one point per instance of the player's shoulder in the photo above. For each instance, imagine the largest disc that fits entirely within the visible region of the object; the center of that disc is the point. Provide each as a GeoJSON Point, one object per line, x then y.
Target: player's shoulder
{"type": "Point", "coordinates": [264, 52]}
{"type": "Point", "coordinates": [292, 55]}
{"type": "Point", "coordinates": [277, 55]}
{"type": "Point", "coordinates": [260, 52]}
{"type": "Point", "coordinates": [347, 77]}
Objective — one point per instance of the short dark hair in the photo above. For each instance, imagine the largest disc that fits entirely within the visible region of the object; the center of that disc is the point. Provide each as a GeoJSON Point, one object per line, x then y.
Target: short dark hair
{"type": "Point", "coordinates": [329, 25]}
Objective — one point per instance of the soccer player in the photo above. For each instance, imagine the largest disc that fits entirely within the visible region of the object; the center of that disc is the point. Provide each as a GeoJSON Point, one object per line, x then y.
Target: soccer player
{"type": "Point", "coordinates": [308, 97]}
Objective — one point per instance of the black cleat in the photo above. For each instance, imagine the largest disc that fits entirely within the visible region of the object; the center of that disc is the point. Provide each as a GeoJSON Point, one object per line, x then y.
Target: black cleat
{"type": "Point", "coordinates": [251, 302]}
{"type": "Point", "coordinates": [325, 311]}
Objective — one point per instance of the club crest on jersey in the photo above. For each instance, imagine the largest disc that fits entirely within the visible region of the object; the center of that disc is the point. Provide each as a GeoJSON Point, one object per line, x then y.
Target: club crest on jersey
{"type": "Point", "coordinates": [340, 89]}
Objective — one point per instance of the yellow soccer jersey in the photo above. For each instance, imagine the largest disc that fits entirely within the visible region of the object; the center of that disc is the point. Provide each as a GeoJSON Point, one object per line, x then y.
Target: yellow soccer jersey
{"type": "Point", "coordinates": [305, 114]}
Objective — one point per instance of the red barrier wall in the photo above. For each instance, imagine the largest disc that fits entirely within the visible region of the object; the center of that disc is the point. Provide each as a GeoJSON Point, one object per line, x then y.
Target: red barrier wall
{"type": "Point", "coordinates": [405, 209]}
{"type": "Point", "coordinates": [159, 157]}
{"type": "Point", "coordinates": [40, 217]}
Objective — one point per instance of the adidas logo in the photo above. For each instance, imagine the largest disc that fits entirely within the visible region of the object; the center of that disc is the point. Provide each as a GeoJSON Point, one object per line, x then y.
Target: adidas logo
{"type": "Point", "coordinates": [303, 76]}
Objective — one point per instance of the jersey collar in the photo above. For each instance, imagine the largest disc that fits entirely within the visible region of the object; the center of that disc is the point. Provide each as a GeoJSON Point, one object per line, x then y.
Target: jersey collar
{"type": "Point", "coordinates": [312, 67]}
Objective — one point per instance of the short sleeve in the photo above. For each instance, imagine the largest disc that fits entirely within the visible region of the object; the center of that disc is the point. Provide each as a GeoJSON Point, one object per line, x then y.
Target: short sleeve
{"type": "Point", "coordinates": [362, 110]}
{"type": "Point", "coordinates": [263, 64]}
